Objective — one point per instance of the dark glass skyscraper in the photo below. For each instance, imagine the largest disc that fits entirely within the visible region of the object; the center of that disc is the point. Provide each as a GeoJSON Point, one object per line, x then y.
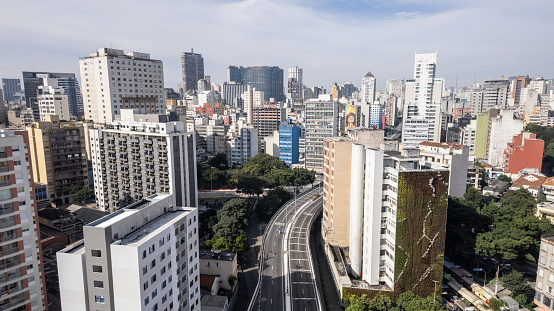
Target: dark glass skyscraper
{"type": "Point", "coordinates": [268, 79]}
{"type": "Point", "coordinates": [32, 80]}
{"type": "Point", "coordinates": [193, 70]}
{"type": "Point", "coordinates": [10, 87]}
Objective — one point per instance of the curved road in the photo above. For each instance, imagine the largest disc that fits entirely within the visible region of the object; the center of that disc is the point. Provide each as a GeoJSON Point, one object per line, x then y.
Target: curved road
{"type": "Point", "coordinates": [286, 274]}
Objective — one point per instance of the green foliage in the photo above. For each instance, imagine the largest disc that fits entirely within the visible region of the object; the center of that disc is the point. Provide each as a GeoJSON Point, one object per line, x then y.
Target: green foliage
{"type": "Point", "coordinates": [251, 185]}
{"type": "Point", "coordinates": [473, 197]}
{"type": "Point", "coordinates": [522, 292]}
{"type": "Point", "coordinates": [514, 231]}
{"type": "Point", "coordinates": [504, 178]}
{"type": "Point", "coordinates": [269, 204]}
{"type": "Point", "coordinates": [302, 176]}
{"type": "Point", "coordinates": [407, 301]}
{"type": "Point", "coordinates": [496, 304]}
{"type": "Point", "coordinates": [219, 161]}
{"type": "Point", "coordinates": [232, 279]}
{"type": "Point", "coordinates": [262, 164]}
{"type": "Point", "coordinates": [207, 220]}
{"type": "Point", "coordinates": [82, 195]}
{"type": "Point", "coordinates": [228, 231]}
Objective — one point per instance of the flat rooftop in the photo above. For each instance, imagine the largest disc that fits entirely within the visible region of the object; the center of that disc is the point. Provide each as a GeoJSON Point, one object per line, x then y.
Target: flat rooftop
{"type": "Point", "coordinates": [153, 227]}
{"type": "Point", "coordinates": [76, 248]}
{"type": "Point", "coordinates": [217, 255]}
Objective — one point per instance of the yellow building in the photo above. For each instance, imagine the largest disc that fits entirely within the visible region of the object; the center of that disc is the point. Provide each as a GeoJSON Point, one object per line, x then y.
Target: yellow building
{"type": "Point", "coordinates": [58, 158]}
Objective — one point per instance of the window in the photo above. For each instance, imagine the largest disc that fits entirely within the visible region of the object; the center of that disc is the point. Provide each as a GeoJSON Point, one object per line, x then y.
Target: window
{"type": "Point", "coordinates": [144, 270]}
{"type": "Point", "coordinates": [153, 264]}
{"type": "Point", "coordinates": [151, 249]}
{"type": "Point", "coordinates": [96, 253]}
{"type": "Point", "coordinates": [143, 254]}
{"type": "Point", "coordinates": [154, 293]}
{"type": "Point", "coordinates": [145, 285]}
{"type": "Point", "coordinates": [146, 300]}
{"type": "Point", "coordinates": [162, 256]}
{"type": "Point", "coordinates": [162, 271]}
{"type": "Point", "coordinates": [99, 299]}
{"type": "Point", "coordinates": [153, 279]}
{"type": "Point", "coordinates": [551, 277]}
{"type": "Point", "coordinates": [541, 272]}
{"type": "Point", "coordinates": [98, 284]}
{"type": "Point", "coordinates": [164, 284]}
{"type": "Point", "coordinates": [97, 269]}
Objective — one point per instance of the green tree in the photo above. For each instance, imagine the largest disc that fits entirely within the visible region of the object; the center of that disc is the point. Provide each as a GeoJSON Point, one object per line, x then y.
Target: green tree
{"type": "Point", "coordinates": [82, 195]}
{"type": "Point", "coordinates": [518, 285]}
{"type": "Point", "coordinates": [504, 178]}
{"type": "Point", "coordinates": [280, 177]}
{"type": "Point", "coordinates": [473, 197]}
{"type": "Point", "coordinates": [219, 161]}
{"type": "Point", "coordinates": [262, 164]}
{"type": "Point", "coordinates": [302, 176]}
{"type": "Point", "coordinates": [269, 204]}
{"type": "Point", "coordinates": [251, 185]}
{"type": "Point", "coordinates": [496, 304]}
{"type": "Point", "coordinates": [409, 301]}
{"type": "Point", "coordinates": [232, 279]}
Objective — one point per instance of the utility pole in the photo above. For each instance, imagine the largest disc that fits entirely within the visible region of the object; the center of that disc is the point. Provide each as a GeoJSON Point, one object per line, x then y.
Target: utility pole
{"type": "Point", "coordinates": [434, 298]}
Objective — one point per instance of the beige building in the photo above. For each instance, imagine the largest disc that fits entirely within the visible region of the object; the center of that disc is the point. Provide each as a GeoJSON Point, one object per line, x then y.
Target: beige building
{"type": "Point", "coordinates": [221, 264]}
{"type": "Point", "coordinates": [58, 157]}
{"type": "Point", "coordinates": [337, 155]}
{"type": "Point", "coordinates": [544, 294]}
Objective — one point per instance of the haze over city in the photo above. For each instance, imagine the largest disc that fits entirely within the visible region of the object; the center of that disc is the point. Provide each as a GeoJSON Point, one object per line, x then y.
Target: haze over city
{"type": "Point", "coordinates": [334, 41]}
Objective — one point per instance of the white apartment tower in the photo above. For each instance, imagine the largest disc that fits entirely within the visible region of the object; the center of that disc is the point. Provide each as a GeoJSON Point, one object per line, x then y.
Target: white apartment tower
{"type": "Point", "coordinates": [52, 100]}
{"type": "Point", "coordinates": [422, 114]}
{"type": "Point", "coordinates": [368, 88]}
{"type": "Point", "coordinates": [142, 257]}
{"type": "Point", "coordinates": [321, 122]}
{"type": "Point", "coordinates": [252, 98]}
{"type": "Point", "coordinates": [245, 145]}
{"type": "Point", "coordinates": [294, 83]}
{"type": "Point", "coordinates": [112, 80]}
{"type": "Point", "coordinates": [22, 285]}
{"type": "Point", "coordinates": [141, 155]}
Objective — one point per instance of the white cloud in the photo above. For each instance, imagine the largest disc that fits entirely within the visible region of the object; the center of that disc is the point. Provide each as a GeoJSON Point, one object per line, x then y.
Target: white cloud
{"type": "Point", "coordinates": [475, 39]}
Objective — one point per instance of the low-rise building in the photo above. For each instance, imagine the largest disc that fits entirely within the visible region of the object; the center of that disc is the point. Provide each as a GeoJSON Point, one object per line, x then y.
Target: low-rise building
{"type": "Point", "coordinates": [545, 209]}
{"type": "Point", "coordinates": [218, 263]}
{"type": "Point", "coordinates": [531, 182]}
{"type": "Point", "coordinates": [548, 189]}
{"type": "Point", "coordinates": [524, 151]}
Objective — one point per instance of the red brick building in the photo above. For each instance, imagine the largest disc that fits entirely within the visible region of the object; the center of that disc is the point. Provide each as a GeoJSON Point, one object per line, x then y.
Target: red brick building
{"type": "Point", "coordinates": [525, 151]}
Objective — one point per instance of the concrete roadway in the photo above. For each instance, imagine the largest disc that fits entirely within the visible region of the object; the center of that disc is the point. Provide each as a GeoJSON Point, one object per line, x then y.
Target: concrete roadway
{"type": "Point", "coordinates": [272, 293]}
{"type": "Point", "coordinates": [304, 295]}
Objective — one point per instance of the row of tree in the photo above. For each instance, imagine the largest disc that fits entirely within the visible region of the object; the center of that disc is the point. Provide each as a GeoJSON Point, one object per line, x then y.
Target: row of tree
{"type": "Point", "coordinates": [407, 301]}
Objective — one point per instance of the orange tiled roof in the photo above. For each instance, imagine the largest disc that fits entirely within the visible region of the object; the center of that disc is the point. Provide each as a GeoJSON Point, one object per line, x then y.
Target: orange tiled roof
{"type": "Point", "coordinates": [531, 181]}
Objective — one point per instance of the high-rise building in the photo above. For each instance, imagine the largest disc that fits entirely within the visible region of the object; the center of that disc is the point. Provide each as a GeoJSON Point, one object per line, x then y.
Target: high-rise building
{"type": "Point", "coordinates": [517, 84]}
{"type": "Point", "coordinates": [543, 292]}
{"type": "Point", "coordinates": [142, 155]}
{"type": "Point", "coordinates": [295, 85]}
{"type": "Point", "coordinates": [32, 80]}
{"type": "Point", "coordinates": [245, 145]}
{"type": "Point", "coordinates": [368, 88]}
{"type": "Point", "coordinates": [193, 70]}
{"type": "Point", "coordinates": [495, 94]}
{"type": "Point", "coordinates": [59, 157]}
{"type": "Point", "coordinates": [289, 135]}
{"type": "Point", "coordinates": [231, 93]}
{"type": "Point", "coordinates": [267, 118]}
{"type": "Point", "coordinates": [377, 116]}
{"type": "Point", "coordinates": [22, 285]}
{"type": "Point", "coordinates": [143, 257]}
{"type": "Point", "coordinates": [10, 87]}
{"type": "Point", "coordinates": [52, 101]}
{"type": "Point", "coordinates": [321, 122]}
{"type": "Point", "coordinates": [394, 87]}
{"type": "Point", "coordinates": [267, 79]}
{"type": "Point", "coordinates": [113, 80]}
{"type": "Point", "coordinates": [391, 114]}
{"type": "Point", "coordinates": [252, 98]}
{"type": "Point", "coordinates": [421, 112]}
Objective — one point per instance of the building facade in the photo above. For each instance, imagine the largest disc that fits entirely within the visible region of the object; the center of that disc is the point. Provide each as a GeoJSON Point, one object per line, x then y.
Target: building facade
{"type": "Point", "coordinates": [245, 145]}
{"type": "Point", "coordinates": [289, 135]}
{"type": "Point", "coordinates": [422, 103]}
{"type": "Point", "coordinates": [113, 80]}
{"type": "Point", "coordinates": [142, 155]}
{"type": "Point", "coordinates": [59, 159]}
{"type": "Point", "coordinates": [267, 79]}
{"type": "Point", "coordinates": [544, 295]}
{"type": "Point", "coordinates": [22, 285]}
{"type": "Point", "coordinates": [321, 121]}
{"type": "Point", "coordinates": [368, 89]}
{"type": "Point", "coordinates": [53, 101]}
{"type": "Point", "coordinates": [142, 257]}
{"type": "Point", "coordinates": [524, 151]}
{"type": "Point", "coordinates": [10, 87]}
{"type": "Point", "coordinates": [192, 65]}
{"type": "Point", "coordinates": [295, 86]}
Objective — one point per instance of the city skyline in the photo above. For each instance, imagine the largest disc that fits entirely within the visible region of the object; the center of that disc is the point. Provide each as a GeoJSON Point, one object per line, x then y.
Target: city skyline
{"type": "Point", "coordinates": [455, 29]}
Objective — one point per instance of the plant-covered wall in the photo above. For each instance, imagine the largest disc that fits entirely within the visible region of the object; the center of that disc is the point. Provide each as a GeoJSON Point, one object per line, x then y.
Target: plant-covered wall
{"type": "Point", "coordinates": [420, 231]}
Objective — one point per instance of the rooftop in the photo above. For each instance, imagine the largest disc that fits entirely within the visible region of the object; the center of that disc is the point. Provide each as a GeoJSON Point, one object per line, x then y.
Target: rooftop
{"type": "Point", "coordinates": [53, 213]}
{"type": "Point", "coordinates": [207, 280]}
{"type": "Point", "coordinates": [153, 227]}
{"type": "Point", "coordinates": [549, 182]}
{"type": "Point", "coordinates": [86, 214]}
{"type": "Point", "coordinates": [217, 255]}
{"type": "Point", "coordinates": [441, 145]}
{"type": "Point", "coordinates": [531, 181]}
{"type": "Point", "coordinates": [213, 302]}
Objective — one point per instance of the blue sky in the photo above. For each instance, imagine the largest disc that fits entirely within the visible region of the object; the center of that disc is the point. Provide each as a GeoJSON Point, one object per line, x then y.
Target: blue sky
{"type": "Point", "coordinates": [333, 41]}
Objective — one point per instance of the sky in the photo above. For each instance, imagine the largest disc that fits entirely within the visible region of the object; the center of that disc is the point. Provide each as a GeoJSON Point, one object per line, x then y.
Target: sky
{"type": "Point", "coordinates": [332, 40]}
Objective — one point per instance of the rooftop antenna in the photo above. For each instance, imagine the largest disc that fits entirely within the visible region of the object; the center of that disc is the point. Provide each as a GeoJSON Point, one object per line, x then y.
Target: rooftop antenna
{"type": "Point", "coordinates": [191, 50]}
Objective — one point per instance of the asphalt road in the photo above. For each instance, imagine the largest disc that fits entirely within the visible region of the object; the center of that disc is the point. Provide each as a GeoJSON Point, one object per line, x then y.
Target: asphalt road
{"type": "Point", "coordinates": [272, 294]}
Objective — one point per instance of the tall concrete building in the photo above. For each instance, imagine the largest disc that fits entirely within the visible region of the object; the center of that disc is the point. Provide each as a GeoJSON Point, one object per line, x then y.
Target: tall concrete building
{"type": "Point", "coordinates": [141, 155]}
{"type": "Point", "coordinates": [142, 257]}
{"type": "Point", "coordinates": [32, 81]}
{"type": "Point", "coordinates": [232, 94]}
{"type": "Point", "coordinates": [289, 135]}
{"type": "Point", "coordinates": [193, 70]}
{"type": "Point", "coordinates": [113, 80]}
{"type": "Point", "coordinates": [267, 79]}
{"type": "Point", "coordinates": [22, 285]}
{"type": "Point", "coordinates": [10, 87]}
{"type": "Point", "coordinates": [495, 94]}
{"type": "Point", "coordinates": [245, 145]}
{"type": "Point", "coordinates": [58, 156]}
{"type": "Point", "coordinates": [495, 129]}
{"type": "Point", "coordinates": [52, 100]}
{"type": "Point", "coordinates": [368, 88]}
{"type": "Point", "coordinates": [295, 86]}
{"type": "Point", "coordinates": [421, 112]}
{"type": "Point", "coordinates": [394, 87]}
{"type": "Point", "coordinates": [321, 122]}
{"type": "Point", "coordinates": [252, 98]}
{"type": "Point", "coordinates": [517, 84]}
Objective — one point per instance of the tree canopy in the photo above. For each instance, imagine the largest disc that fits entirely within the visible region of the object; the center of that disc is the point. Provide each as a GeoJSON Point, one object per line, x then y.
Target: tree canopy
{"type": "Point", "coordinates": [229, 232]}
{"type": "Point", "coordinates": [407, 301]}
